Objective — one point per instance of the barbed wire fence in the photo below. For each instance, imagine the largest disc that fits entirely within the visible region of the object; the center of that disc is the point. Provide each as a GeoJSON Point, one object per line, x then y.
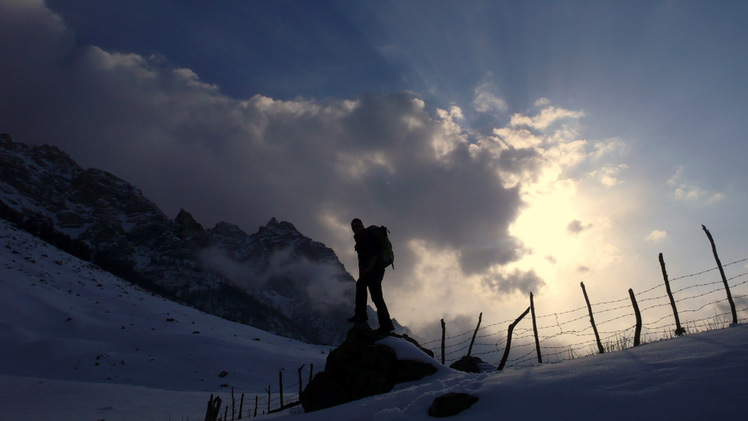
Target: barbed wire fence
{"type": "Point", "coordinates": [558, 336]}
{"type": "Point", "coordinates": [570, 334]}
{"type": "Point", "coordinates": [275, 398]}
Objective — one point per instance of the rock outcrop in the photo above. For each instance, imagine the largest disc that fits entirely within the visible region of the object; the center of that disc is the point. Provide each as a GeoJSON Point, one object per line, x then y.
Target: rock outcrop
{"type": "Point", "coordinates": [470, 364]}
{"type": "Point", "coordinates": [451, 404]}
{"type": "Point", "coordinates": [363, 366]}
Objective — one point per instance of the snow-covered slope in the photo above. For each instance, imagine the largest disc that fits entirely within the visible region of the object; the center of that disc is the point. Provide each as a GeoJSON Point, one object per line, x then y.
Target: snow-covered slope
{"type": "Point", "coordinates": [78, 344]}
{"type": "Point", "coordinates": [79, 329]}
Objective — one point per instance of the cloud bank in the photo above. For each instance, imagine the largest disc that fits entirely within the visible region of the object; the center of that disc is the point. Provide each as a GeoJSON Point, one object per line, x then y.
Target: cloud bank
{"type": "Point", "coordinates": [387, 159]}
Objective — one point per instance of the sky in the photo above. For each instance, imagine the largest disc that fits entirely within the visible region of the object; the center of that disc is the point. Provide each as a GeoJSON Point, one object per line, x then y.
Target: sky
{"type": "Point", "coordinates": [510, 147]}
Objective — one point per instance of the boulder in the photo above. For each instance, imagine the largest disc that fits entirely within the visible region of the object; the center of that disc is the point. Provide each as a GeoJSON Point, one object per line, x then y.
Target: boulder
{"type": "Point", "coordinates": [361, 367]}
{"type": "Point", "coordinates": [451, 404]}
{"type": "Point", "coordinates": [468, 364]}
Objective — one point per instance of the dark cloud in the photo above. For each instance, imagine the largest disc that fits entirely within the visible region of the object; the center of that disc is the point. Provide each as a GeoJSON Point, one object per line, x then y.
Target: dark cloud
{"type": "Point", "coordinates": [318, 163]}
{"type": "Point", "coordinates": [514, 282]}
{"type": "Point", "coordinates": [521, 161]}
{"type": "Point", "coordinates": [576, 226]}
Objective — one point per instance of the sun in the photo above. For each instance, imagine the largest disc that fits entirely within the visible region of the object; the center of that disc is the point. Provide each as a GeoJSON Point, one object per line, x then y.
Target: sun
{"type": "Point", "coordinates": [549, 227]}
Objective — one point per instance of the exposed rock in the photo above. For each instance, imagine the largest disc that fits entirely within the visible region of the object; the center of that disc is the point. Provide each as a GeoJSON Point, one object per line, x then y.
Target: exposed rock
{"type": "Point", "coordinates": [451, 404]}
{"type": "Point", "coordinates": [468, 364]}
{"type": "Point", "coordinates": [361, 367]}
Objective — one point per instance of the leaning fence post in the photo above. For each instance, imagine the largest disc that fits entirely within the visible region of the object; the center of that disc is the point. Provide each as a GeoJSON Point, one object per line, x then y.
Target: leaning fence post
{"type": "Point", "coordinates": [444, 329]}
{"type": "Point", "coordinates": [509, 339]}
{"type": "Point", "coordinates": [592, 320]}
{"type": "Point", "coordinates": [638, 331]}
{"type": "Point", "coordinates": [678, 329]}
{"type": "Point", "coordinates": [241, 406]}
{"type": "Point", "coordinates": [214, 408]}
{"type": "Point", "coordinates": [724, 278]}
{"type": "Point", "coordinates": [300, 380]}
{"type": "Point", "coordinates": [535, 329]}
{"type": "Point", "coordinates": [470, 348]}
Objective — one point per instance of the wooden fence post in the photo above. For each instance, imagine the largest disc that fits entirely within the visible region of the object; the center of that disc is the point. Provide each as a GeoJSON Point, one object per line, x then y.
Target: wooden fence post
{"type": "Point", "coordinates": [300, 380]}
{"type": "Point", "coordinates": [509, 339]}
{"type": "Point", "coordinates": [678, 329]}
{"type": "Point", "coordinates": [280, 382]}
{"type": "Point", "coordinates": [233, 404]}
{"type": "Point", "coordinates": [638, 330]}
{"type": "Point", "coordinates": [257, 402]}
{"type": "Point", "coordinates": [214, 408]}
{"type": "Point", "coordinates": [241, 406]}
{"type": "Point", "coordinates": [470, 348]}
{"type": "Point", "coordinates": [592, 320]}
{"type": "Point", "coordinates": [269, 396]}
{"type": "Point", "coordinates": [444, 330]}
{"type": "Point", "coordinates": [724, 278]}
{"type": "Point", "coordinates": [535, 329]}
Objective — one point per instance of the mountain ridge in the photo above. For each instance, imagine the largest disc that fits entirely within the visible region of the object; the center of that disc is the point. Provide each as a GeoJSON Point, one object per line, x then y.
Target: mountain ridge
{"type": "Point", "coordinates": [272, 279]}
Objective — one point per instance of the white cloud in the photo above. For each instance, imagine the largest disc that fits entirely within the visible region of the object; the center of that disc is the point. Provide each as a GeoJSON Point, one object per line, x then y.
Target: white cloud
{"type": "Point", "coordinates": [687, 190]}
{"type": "Point", "coordinates": [608, 147]}
{"type": "Point", "coordinates": [487, 100]}
{"type": "Point", "coordinates": [657, 236]}
{"type": "Point", "coordinates": [547, 117]}
{"type": "Point", "coordinates": [608, 175]}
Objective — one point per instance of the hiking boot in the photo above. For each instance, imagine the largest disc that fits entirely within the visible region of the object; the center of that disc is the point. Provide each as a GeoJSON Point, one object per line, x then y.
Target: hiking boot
{"type": "Point", "coordinates": [357, 319]}
{"type": "Point", "coordinates": [386, 329]}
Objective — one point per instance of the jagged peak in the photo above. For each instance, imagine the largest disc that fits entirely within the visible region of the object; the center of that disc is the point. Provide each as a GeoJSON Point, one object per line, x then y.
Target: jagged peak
{"type": "Point", "coordinates": [282, 225]}
{"type": "Point", "coordinates": [186, 220]}
{"type": "Point", "coordinates": [184, 217]}
{"type": "Point", "coordinates": [228, 228]}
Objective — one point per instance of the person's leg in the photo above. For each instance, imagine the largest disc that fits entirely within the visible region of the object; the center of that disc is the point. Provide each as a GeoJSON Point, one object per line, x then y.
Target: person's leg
{"type": "Point", "coordinates": [361, 301]}
{"type": "Point", "coordinates": [377, 297]}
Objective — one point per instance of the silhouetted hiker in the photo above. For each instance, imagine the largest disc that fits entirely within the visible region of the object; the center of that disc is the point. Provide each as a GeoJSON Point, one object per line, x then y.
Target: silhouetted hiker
{"type": "Point", "coordinates": [370, 275]}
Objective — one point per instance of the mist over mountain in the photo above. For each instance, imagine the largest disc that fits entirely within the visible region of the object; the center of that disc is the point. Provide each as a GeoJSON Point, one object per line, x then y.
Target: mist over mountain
{"type": "Point", "coordinates": [275, 279]}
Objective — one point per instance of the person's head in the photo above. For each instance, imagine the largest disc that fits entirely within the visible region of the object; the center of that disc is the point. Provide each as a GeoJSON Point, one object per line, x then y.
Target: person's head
{"type": "Point", "coordinates": [357, 226]}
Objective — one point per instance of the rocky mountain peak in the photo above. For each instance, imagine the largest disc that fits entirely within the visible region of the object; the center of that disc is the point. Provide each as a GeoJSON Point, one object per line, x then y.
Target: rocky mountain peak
{"type": "Point", "coordinates": [187, 222]}
{"type": "Point", "coordinates": [282, 226]}
{"type": "Point", "coordinates": [227, 234]}
{"type": "Point", "coordinates": [263, 279]}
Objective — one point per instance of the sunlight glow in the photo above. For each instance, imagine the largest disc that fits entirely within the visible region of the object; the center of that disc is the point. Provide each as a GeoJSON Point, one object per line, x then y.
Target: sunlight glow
{"type": "Point", "coordinates": [543, 228]}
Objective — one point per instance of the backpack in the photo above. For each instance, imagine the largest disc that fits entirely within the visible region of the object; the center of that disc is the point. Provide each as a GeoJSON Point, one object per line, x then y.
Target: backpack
{"type": "Point", "coordinates": [386, 255]}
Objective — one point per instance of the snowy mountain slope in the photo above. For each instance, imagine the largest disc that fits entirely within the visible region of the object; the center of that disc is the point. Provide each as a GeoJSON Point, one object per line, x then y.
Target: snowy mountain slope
{"type": "Point", "coordinates": [59, 317]}
{"type": "Point", "coordinates": [64, 320]}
